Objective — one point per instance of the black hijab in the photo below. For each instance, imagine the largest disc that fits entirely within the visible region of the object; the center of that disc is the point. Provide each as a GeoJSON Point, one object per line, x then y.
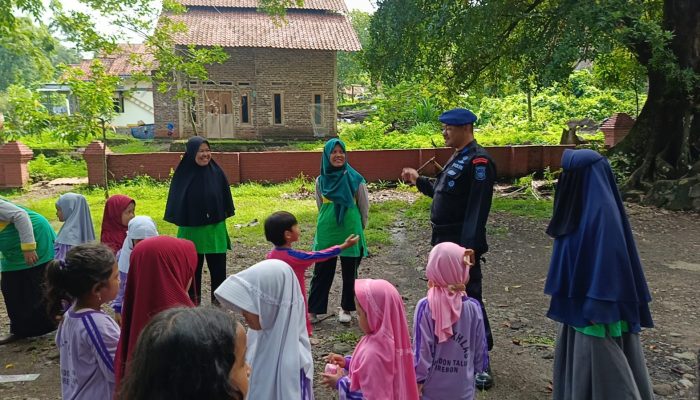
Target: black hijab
{"type": "Point", "coordinates": [198, 195]}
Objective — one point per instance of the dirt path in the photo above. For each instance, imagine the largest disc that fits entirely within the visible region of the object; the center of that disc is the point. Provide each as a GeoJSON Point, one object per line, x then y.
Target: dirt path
{"type": "Point", "coordinates": [514, 274]}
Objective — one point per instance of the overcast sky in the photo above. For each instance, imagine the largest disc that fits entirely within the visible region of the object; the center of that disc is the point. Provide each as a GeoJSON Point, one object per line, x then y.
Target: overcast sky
{"type": "Point", "coordinates": [364, 5]}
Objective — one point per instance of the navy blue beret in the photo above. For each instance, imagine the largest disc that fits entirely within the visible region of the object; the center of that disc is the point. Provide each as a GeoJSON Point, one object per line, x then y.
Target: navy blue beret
{"type": "Point", "coordinates": [457, 116]}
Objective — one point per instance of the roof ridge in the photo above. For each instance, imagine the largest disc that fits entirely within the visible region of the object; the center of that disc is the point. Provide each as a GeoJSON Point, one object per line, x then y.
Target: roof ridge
{"type": "Point", "coordinates": [328, 5]}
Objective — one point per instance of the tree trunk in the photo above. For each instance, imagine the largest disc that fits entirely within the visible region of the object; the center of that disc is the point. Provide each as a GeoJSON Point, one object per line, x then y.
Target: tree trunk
{"type": "Point", "coordinates": [664, 143]}
{"type": "Point", "coordinates": [104, 157]}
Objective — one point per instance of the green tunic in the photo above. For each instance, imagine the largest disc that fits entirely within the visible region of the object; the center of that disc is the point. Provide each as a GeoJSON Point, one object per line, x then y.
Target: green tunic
{"type": "Point", "coordinates": [207, 239]}
{"type": "Point", "coordinates": [12, 257]}
{"type": "Point", "coordinates": [329, 233]}
{"type": "Point", "coordinates": [615, 329]}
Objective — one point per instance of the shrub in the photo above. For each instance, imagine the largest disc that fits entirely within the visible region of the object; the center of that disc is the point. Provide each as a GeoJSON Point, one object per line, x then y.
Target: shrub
{"type": "Point", "coordinates": [42, 168]}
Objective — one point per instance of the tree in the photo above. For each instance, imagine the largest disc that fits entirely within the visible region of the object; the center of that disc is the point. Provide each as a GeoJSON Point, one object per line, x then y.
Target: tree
{"type": "Point", "coordinates": [467, 43]}
{"type": "Point", "coordinates": [26, 56]}
{"type": "Point", "coordinates": [351, 66]}
{"type": "Point", "coordinates": [619, 69]}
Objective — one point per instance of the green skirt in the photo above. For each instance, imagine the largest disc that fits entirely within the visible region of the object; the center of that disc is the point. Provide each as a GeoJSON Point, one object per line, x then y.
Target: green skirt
{"type": "Point", "coordinates": [207, 239]}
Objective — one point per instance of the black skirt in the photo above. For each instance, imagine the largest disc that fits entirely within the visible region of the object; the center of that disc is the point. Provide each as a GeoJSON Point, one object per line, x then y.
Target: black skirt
{"type": "Point", "coordinates": [23, 291]}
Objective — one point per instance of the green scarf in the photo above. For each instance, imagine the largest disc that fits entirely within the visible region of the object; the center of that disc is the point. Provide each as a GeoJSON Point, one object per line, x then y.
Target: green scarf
{"type": "Point", "coordinates": [338, 185]}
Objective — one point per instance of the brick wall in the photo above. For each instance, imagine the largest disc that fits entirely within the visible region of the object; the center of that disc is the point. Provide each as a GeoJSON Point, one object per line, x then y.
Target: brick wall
{"type": "Point", "coordinates": [165, 111]}
{"type": "Point", "coordinates": [374, 165]}
{"type": "Point", "coordinates": [298, 75]}
{"type": "Point", "coordinates": [14, 159]}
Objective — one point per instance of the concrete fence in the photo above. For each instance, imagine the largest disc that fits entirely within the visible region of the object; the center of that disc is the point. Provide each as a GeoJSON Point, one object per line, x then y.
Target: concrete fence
{"type": "Point", "coordinates": [280, 166]}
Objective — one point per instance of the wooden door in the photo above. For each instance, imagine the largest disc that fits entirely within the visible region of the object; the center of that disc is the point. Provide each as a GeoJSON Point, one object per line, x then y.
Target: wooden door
{"type": "Point", "coordinates": [226, 114]}
{"type": "Point", "coordinates": [212, 109]}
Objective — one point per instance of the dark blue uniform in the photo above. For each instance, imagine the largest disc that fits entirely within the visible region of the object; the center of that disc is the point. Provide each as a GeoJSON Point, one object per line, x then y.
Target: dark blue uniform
{"type": "Point", "coordinates": [462, 195]}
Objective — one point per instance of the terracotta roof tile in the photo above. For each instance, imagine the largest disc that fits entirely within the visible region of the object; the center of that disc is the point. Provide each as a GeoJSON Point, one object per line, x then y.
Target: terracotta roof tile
{"type": "Point", "coordinates": [248, 28]}
{"type": "Point", "coordinates": [119, 63]}
{"type": "Point", "coordinates": [330, 5]}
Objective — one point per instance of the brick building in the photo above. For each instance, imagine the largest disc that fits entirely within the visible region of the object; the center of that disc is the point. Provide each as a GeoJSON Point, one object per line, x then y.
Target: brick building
{"type": "Point", "coordinates": [280, 79]}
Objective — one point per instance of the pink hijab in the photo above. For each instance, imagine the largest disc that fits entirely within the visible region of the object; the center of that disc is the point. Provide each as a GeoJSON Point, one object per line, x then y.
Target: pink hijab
{"type": "Point", "coordinates": [447, 276]}
{"type": "Point", "coordinates": [382, 364]}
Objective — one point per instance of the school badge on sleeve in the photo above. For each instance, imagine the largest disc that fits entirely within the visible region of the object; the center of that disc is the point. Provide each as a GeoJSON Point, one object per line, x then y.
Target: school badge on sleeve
{"type": "Point", "coordinates": [480, 168]}
{"type": "Point", "coordinates": [480, 172]}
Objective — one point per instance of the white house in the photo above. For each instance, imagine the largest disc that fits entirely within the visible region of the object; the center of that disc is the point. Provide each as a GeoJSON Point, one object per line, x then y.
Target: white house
{"type": "Point", "coordinates": [133, 100]}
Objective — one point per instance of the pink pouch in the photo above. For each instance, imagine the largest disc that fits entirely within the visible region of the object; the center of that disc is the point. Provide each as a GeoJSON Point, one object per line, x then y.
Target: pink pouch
{"type": "Point", "coordinates": [331, 369]}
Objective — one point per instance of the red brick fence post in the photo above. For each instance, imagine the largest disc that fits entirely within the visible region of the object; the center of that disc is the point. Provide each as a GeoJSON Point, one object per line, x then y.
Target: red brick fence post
{"type": "Point", "coordinates": [14, 157]}
{"type": "Point", "coordinates": [616, 128]}
{"type": "Point", "coordinates": [94, 156]}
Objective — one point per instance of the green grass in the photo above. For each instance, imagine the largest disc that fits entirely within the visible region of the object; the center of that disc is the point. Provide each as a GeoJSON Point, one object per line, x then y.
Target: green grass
{"type": "Point", "coordinates": [48, 168]}
{"type": "Point", "coordinates": [140, 146]}
{"type": "Point", "coordinates": [253, 202]}
{"type": "Point", "coordinates": [49, 141]}
{"type": "Point", "coordinates": [530, 207]}
{"type": "Point", "coordinates": [349, 337]}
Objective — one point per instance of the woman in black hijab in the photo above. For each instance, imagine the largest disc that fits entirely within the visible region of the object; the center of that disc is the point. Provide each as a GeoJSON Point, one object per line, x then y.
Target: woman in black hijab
{"type": "Point", "coordinates": [199, 201]}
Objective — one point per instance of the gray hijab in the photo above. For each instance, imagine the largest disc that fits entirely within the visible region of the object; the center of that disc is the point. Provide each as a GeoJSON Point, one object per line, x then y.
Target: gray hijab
{"type": "Point", "coordinates": [77, 228]}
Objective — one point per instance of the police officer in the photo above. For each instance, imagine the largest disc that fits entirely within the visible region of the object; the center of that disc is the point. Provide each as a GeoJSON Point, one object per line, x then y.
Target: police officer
{"type": "Point", "coordinates": [462, 195]}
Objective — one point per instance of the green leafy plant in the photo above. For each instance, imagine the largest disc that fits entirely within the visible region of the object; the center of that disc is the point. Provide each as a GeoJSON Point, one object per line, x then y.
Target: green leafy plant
{"type": "Point", "coordinates": [43, 168]}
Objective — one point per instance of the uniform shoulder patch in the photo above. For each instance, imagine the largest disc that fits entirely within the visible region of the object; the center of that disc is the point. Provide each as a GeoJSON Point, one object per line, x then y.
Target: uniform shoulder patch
{"type": "Point", "coordinates": [480, 160]}
{"type": "Point", "coordinates": [480, 172]}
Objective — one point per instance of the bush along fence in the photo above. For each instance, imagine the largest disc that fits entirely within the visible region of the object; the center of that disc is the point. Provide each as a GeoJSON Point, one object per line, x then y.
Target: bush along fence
{"type": "Point", "coordinates": [280, 166]}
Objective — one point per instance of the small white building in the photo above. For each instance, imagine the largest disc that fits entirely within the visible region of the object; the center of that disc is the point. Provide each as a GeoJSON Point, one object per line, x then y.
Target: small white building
{"type": "Point", "coordinates": [133, 100]}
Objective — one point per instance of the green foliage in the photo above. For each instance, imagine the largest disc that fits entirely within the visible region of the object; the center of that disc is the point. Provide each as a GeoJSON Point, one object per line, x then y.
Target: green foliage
{"type": "Point", "coordinates": [372, 134]}
{"type": "Point", "coordinates": [503, 41]}
{"type": "Point", "coordinates": [42, 168]}
{"type": "Point", "coordinates": [622, 166]}
{"type": "Point", "coordinates": [525, 183]}
{"type": "Point", "coordinates": [411, 102]}
{"type": "Point", "coordinates": [348, 337]}
{"type": "Point", "coordinates": [25, 56]}
{"type": "Point", "coordinates": [25, 114]}
{"type": "Point", "coordinates": [48, 140]}
{"type": "Point", "coordinates": [94, 94]}
{"type": "Point", "coordinates": [406, 115]}
{"type": "Point", "coordinates": [426, 112]}
{"type": "Point", "coordinates": [350, 65]}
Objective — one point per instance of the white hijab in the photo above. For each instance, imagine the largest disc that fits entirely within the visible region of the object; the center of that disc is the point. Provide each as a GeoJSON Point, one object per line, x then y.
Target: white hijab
{"type": "Point", "coordinates": [140, 227]}
{"type": "Point", "coordinates": [281, 349]}
{"type": "Point", "coordinates": [77, 228]}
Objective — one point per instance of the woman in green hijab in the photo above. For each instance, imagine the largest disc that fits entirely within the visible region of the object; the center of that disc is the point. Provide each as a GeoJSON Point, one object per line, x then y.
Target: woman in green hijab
{"type": "Point", "coordinates": [343, 205]}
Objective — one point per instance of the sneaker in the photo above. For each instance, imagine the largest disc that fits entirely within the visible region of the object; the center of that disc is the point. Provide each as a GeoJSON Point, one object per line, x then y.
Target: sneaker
{"type": "Point", "coordinates": [484, 380]}
{"type": "Point", "coordinates": [344, 317]}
